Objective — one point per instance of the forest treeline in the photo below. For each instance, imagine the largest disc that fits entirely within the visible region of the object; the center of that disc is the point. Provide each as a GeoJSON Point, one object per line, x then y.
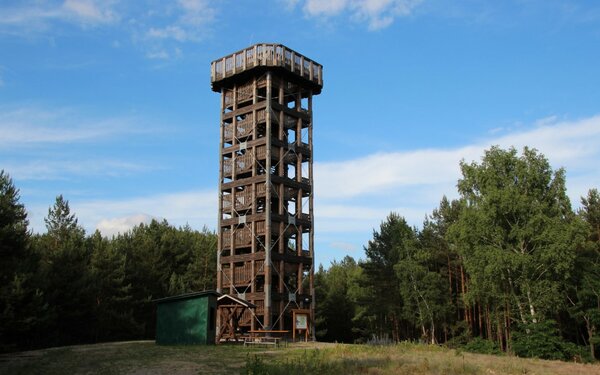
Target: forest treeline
{"type": "Point", "coordinates": [508, 266]}
{"type": "Point", "coordinates": [65, 287]}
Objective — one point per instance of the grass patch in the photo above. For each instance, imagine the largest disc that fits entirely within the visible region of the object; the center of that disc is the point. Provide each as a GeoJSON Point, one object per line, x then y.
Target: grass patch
{"type": "Point", "coordinates": [127, 358]}
{"type": "Point", "coordinates": [144, 357]}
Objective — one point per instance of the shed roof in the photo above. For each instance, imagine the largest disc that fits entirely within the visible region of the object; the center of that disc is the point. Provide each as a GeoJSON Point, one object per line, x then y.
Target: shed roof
{"type": "Point", "coordinates": [187, 296]}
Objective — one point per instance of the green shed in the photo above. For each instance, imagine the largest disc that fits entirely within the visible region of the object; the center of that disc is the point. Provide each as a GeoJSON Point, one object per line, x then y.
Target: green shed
{"type": "Point", "coordinates": [187, 319]}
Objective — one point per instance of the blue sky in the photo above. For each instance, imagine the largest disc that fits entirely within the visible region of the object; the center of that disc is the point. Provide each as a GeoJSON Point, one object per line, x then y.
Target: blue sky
{"type": "Point", "coordinates": [109, 102]}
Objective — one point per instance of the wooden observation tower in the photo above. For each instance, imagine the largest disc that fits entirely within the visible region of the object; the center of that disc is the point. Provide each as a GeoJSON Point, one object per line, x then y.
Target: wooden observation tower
{"type": "Point", "coordinates": [266, 246]}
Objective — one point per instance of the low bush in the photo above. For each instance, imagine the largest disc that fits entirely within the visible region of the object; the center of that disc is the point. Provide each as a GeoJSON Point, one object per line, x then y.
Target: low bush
{"type": "Point", "coordinates": [541, 340]}
{"type": "Point", "coordinates": [482, 346]}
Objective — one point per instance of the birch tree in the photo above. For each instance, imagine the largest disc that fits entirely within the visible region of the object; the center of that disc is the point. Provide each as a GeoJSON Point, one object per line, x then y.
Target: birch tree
{"type": "Point", "coordinates": [516, 232]}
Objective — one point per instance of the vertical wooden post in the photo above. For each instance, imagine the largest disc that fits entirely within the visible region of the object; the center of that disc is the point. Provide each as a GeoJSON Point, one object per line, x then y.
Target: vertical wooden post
{"type": "Point", "coordinates": [220, 196]}
{"type": "Point", "coordinates": [311, 246]}
{"type": "Point", "coordinates": [253, 245]}
{"type": "Point", "coordinates": [268, 229]}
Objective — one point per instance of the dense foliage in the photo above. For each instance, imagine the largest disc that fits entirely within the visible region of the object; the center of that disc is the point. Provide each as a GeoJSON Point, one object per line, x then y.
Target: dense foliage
{"type": "Point", "coordinates": [63, 287]}
{"type": "Point", "coordinates": [506, 267]}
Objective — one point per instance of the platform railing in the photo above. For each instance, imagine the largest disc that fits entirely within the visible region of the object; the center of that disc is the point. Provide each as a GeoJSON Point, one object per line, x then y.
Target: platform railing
{"type": "Point", "coordinates": [276, 55]}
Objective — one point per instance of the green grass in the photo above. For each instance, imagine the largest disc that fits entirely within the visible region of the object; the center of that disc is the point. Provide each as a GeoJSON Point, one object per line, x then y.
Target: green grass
{"type": "Point", "coordinates": [127, 358]}
{"type": "Point", "coordinates": [144, 357]}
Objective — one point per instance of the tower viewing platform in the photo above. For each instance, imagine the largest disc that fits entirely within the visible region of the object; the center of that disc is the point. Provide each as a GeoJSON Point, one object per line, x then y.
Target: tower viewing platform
{"type": "Point", "coordinates": [265, 56]}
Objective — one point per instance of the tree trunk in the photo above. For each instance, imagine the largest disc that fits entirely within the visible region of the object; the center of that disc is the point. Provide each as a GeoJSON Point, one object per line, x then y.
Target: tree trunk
{"type": "Point", "coordinates": [591, 336]}
{"type": "Point", "coordinates": [449, 274]}
{"type": "Point", "coordinates": [507, 325]}
{"type": "Point", "coordinates": [479, 320]}
{"type": "Point", "coordinates": [396, 330]}
{"type": "Point", "coordinates": [512, 290]}
{"type": "Point", "coordinates": [590, 331]}
{"type": "Point", "coordinates": [433, 341]}
{"type": "Point", "coordinates": [488, 322]}
{"type": "Point", "coordinates": [464, 300]}
{"type": "Point", "coordinates": [499, 335]}
{"type": "Point", "coordinates": [531, 309]}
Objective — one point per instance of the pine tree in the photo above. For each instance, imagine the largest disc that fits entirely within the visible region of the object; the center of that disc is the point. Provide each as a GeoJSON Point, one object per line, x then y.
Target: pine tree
{"type": "Point", "coordinates": [336, 307]}
{"type": "Point", "coordinates": [13, 229]}
{"type": "Point", "coordinates": [21, 304]}
{"type": "Point", "coordinates": [383, 301]}
{"type": "Point", "coordinates": [112, 311]}
{"type": "Point", "coordinates": [65, 273]}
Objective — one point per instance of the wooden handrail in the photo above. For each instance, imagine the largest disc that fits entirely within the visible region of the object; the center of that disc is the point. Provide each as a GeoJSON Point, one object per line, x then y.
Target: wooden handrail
{"type": "Point", "coordinates": [266, 55]}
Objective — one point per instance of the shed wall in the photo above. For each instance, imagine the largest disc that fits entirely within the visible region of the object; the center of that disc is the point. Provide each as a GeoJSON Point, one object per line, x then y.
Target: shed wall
{"type": "Point", "coordinates": [186, 321]}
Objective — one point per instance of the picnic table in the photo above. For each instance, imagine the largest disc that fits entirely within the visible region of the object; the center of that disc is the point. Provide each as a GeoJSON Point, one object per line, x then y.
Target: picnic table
{"type": "Point", "coordinates": [264, 337]}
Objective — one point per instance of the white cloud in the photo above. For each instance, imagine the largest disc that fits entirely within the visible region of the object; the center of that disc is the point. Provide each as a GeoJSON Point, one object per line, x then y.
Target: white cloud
{"type": "Point", "coordinates": [573, 145]}
{"type": "Point", "coordinates": [112, 227]}
{"type": "Point", "coordinates": [198, 208]}
{"type": "Point", "coordinates": [354, 196]}
{"type": "Point", "coordinates": [325, 8]}
{"type": "Point", "coordinates": [377, 14]}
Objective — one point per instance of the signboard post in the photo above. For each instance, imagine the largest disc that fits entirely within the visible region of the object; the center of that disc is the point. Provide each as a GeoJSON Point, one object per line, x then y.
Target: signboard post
{"type": "Point", "coordinates": [301, 320]}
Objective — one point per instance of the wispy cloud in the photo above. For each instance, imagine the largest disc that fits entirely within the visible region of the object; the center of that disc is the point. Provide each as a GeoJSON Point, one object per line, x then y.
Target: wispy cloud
{"type": "Point", "coordinates": [90, 11]}
{"type": "Point", "coordinates": [377, 14]}
{"type": "Point", "coordinates": [114, 226]}
{"type": "Point", "coordinates": [38, 16]}
{"type": "Point", "coordinates": [197, 208]}
{"type": "Point", "coordinates": [33, 125]}
{"type": "Point", "coordinates": [29, 136]}
{"type": "Point", "coordinates": [66, 169]}
{"type": "Point", "coordinates": [186, 21]}
{"type": "Point", "coordinates": [344, 246]}
{"type": "Point", "coordinates": [572, 144]}
{"type": "Point", "coordinates": [354, 196]}
{"type": "Point", "coordinates": [157, 28]}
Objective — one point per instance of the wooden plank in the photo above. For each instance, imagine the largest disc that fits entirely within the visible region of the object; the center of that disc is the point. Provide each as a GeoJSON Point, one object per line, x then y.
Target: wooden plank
{"type": "Point", "coordinates": [292, 258]}
{"type": "Point", "coordinates": [258, 256]}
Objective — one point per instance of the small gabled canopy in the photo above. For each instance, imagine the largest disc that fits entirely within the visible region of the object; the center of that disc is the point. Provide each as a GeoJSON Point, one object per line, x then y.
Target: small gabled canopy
{"type": "Point", "coordinates": [227, 299]}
